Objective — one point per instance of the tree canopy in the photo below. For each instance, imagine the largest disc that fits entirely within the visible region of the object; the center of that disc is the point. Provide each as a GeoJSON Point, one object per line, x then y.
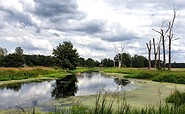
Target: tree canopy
{"type": "Point", "coordinates": [67, 54]}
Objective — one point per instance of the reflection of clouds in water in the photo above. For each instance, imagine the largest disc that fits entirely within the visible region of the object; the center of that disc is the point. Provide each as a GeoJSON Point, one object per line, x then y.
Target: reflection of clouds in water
{"type": "Point", "coordinates": [93, 85]}
{"type": "Point", "coordinates": [28, 92]}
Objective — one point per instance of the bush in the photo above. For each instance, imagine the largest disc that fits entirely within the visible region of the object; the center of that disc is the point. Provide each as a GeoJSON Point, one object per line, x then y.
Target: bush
{"type": "Point", "coordinates": [176, 97]}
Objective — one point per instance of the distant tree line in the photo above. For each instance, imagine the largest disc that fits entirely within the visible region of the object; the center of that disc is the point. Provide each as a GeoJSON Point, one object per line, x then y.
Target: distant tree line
{"type": "Point", "coordinates": [137, 61]}
{"type": "Point", "coordinates": [66, 57]}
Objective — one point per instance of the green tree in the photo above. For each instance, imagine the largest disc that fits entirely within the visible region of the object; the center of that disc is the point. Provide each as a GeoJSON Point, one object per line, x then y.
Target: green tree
{"type": "Point", "coordinates": [107, 62]}
{"type": "Point", "coordinates": [67, 54]}
{"type": "Point", "coordinates": [13, 60]}
{"type": "Point", "coordinates": [90, 62]}
{"type": "Point", "coordinates": [18, 50]}
{"type": "Point", "coordinates": [139, 61]}
{"type": "Point", "coordinates": [81, 62]}
{"type": "Point", "coordinates": [126, 59]}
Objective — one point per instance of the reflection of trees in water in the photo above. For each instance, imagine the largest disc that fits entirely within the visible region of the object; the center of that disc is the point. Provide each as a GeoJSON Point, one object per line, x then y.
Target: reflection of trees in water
{"type": "Point", "coordinates": [120, 81]}
{"type": "Point", "coordinates": [65, 87]}
{"type": "Point", "coordinates": [15, 87]}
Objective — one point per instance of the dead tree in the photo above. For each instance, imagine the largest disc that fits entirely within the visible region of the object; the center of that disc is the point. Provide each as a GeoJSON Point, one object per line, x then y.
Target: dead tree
{"type": "Point", "coordinates": [155, 54]}
{"type": "Point", "coordinates": [119, 53]}
{"type": "Point", "coordinates": [149, 47]}
{"type": "Point", "coordinates": [170, 37]}
{"type": "Point", "coordinates": [162, 38]}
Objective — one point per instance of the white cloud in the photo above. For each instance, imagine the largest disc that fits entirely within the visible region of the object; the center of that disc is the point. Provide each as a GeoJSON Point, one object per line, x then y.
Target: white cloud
{"type": "Point", "coordinates": [93, 26]}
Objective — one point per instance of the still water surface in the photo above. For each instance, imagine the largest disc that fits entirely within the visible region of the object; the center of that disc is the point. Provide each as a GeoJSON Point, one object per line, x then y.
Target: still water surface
{"type": "Point", "coordinates": [30, 94]}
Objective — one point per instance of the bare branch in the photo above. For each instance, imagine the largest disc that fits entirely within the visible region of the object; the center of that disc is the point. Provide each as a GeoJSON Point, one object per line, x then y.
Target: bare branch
{"type": "Point", "coordinates": [156, 31]}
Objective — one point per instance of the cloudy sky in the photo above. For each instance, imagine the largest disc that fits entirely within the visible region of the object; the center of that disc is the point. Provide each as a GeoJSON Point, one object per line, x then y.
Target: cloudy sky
{"type": "Point", "coordinates": [94, 27]}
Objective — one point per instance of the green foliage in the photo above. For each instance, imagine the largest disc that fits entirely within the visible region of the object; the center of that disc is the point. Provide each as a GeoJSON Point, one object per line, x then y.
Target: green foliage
{"type": "Point", "coordinates": [67, 55]}
{"type": "Point", "coordinates": [90, 62]}
{"type": "Point", "coordinates": [13, 60]}
{"type": "Point", "coordinates": [176, 97]}
{"type": "Point", "coordinates": [107, 62]}
{"type": "Point", "coordinates": [139, 61]}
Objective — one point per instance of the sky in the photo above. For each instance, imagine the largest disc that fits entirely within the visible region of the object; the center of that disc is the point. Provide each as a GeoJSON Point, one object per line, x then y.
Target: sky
{"type": "Point", "coordinates": [95, 27]}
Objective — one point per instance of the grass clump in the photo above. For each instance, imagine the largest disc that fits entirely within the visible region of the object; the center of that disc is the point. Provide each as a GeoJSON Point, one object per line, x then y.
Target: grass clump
{"type": "Point", "coordinates": [176, 97]}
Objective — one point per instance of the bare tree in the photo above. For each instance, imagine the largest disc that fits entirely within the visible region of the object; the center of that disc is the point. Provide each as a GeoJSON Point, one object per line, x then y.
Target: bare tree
{"type": "Point", "coordinates": [155, 54]}
{"type": "Point", "coordinates": [162, 38]}
{"type": "Point", "coordinates": [149, 47]}
{"type": "Point", "coordinates": [170, 37]}
{"type": "Point", "coordinates": [119, 53]}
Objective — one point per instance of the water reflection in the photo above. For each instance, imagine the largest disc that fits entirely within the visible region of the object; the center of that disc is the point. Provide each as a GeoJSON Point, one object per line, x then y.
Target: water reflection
{"type": "Point", "coordinates": [91, 83]}
{"type": "Point", "coordinates": [14, 87]}
{"type": "Point", "coordinates": [120, 81]}
{"type": "Point", "coordinates": [35, 93]}
{"type": "Point", "coordinates": [65, 87]}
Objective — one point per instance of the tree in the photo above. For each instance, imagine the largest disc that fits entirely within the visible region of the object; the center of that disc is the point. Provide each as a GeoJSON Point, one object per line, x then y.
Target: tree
{"type": "Point", "coordinates": [119, 53]}
{"type": "Point", "coordinates": [149, 46]}
{"type": "Point", "coordinates": [126, 60]}
{"type": "Point", "coordinates": [107, 62]}
{"type": "Point", "coordinates": [170, 37]}
{"type": "Point", "coordinates": [3, 52]}
{"type": "Point", "coordinates": [139, 61]}
{"type": "Point", "coordinates": [67, 54]}
{"type": "Point", "coordinates": [81, 62]}
{"type": "Point", "coordinates": [90, 62]}
{"type": "Point", "coordinates": [13, 60]}
{"type": "Point", "coordinates": [163, 34]}
{"type": "Point", "coordinates": [18, 50]}
{"type": "Point", "coordinates": [155, 54]}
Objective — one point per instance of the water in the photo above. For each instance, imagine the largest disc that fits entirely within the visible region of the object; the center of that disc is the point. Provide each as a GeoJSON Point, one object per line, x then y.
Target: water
{"type": "Point", "coordinates": [33, 93]}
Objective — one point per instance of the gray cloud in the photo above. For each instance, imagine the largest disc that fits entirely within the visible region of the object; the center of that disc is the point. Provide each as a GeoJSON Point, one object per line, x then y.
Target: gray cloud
{"type": "Point", "coordinates": [13, 16]}
{"type": "Point", "coordinates": [120, 37]}
{"type": "Point", "coordinates": [91, 27]}
{"type": "Point", "coordinates": [146, 4]}
{"type": "Point", "coordinates": [58, 10]}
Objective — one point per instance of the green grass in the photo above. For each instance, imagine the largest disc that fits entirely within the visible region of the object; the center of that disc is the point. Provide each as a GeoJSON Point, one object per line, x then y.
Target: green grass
{"type": "Point", "coordinates": [173, 76]}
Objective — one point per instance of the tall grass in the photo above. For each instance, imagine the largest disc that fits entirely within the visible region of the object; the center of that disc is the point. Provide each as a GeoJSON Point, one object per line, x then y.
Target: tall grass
{"type": "Point", "coordinates": [104, 105]}
{"type": "Point", "coordinates": [173, 76]}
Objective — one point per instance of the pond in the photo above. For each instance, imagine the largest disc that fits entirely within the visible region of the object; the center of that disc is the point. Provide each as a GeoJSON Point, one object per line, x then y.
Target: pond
{"type": "Point", "coordinates": [22, 95]}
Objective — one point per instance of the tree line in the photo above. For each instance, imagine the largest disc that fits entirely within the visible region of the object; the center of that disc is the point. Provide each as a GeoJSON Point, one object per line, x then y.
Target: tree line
{"type": "Point", "coordinates": [67, 57]}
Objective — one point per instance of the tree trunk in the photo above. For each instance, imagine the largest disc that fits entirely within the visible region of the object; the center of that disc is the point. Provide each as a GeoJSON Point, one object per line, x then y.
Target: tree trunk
{"type": "Point", "coordinates": [169, 62]}
{"type": "Point", "coordinates": [170, 37]}
{"type": "Point", "coordinates": [119, 64]}
{"type": "Point", "coordinates": [149, 54]}
{"type": "Point", "coordinates": [155, 54]}
{"type": "Point", "coordinates": [164, 52]}
{"type": "Point", "coordinates": [159, 57]}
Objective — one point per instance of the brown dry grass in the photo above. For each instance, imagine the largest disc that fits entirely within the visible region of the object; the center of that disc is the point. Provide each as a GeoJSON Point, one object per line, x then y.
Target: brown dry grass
{"type": "Point", "coordinates": [25, 68]}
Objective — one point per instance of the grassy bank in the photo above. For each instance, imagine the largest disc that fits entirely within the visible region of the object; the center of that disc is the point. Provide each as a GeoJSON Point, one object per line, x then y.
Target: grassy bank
{"type": "Point", "coordinates": [27, 74]}
{"type": "Point", "coordinates": [172, 76]}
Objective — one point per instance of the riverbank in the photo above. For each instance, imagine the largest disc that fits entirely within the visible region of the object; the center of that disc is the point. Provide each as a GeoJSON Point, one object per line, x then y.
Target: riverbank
{"type": "Point", "coordinates": [28, 74]}
{"type": "Point", "coordinates": [172, 76]}
{"type": "Point", "coordinates": [148, 93]}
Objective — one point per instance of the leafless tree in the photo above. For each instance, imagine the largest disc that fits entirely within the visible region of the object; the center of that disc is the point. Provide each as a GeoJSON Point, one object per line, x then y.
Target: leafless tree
{"type": "Point", "coordinates": [162, 38]}
{"type": "Point", "coordinates": [119, 53]}
{"type": "Point", "coordinates": [155, 53]}
{"type": "Point", "coordinates": [149, 47]}
{"type": "Point", "coordinates": [170, 36]}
